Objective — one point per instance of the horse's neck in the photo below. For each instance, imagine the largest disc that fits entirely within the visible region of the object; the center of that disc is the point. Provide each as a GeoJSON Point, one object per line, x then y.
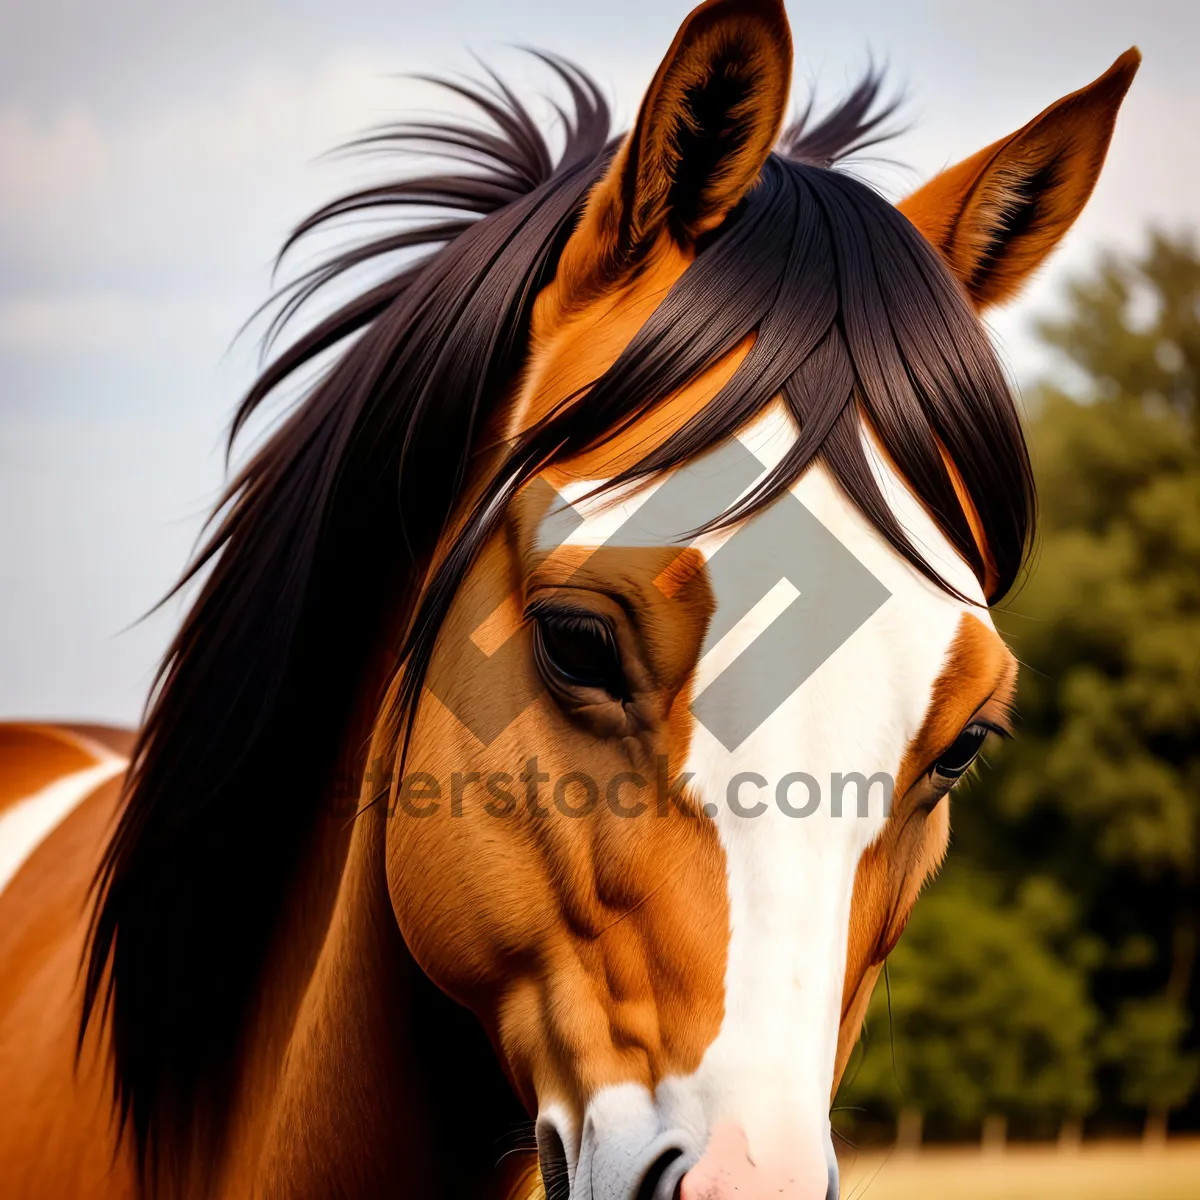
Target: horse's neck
{"type": "Point", "coordinates": [379, 1081]}
{"type": "Point", "coordinates": [343, 1111]}
{"type": "Point", "coordinates": [360, 1077]}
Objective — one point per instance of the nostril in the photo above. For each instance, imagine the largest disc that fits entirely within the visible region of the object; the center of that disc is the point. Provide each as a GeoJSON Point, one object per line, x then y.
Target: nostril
{"type": "Point", "coordinates": [655, 1183]}
{"type": "Point", "coordinates": [552, 1160]}
{"type": "Point", "coordinates": [833, 1190]}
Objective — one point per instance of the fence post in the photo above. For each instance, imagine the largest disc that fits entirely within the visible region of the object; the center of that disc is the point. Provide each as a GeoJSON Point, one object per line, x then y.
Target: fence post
{"type": "Point", "coordinates": [1154, 1132]}
{"type": "Point", "coordinates": [995, 1133]}
{"type": "Point", "coordinates": [909, 1127]}
{"type": "Point", "coordinates": [1070, 1135]}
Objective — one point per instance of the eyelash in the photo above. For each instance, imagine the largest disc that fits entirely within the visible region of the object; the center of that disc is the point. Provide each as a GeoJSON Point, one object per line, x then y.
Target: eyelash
{"type": "Point", "coordinates": [602, 672]}
{"type": "Point", "coordinates": [951, 776]}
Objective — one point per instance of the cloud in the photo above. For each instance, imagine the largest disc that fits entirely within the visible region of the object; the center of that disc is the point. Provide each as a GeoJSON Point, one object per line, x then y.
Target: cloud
{"type": "Point", "coordinates": [181, 192]}
{"type": "Point", "coordinates": [159, 230]}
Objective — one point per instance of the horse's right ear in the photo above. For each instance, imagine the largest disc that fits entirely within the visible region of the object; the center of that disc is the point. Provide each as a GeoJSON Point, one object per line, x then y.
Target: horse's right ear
{"type": "Point", "coordinates": [996, 216]}
{"type": "Point", "coordinates": [704, 130]}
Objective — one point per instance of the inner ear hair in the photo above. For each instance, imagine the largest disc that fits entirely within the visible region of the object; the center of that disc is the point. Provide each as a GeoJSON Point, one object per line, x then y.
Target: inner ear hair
{"type": "Point", "coordinates": [997, 215]}
{"type": "Point", "coordinates": [707, 123]}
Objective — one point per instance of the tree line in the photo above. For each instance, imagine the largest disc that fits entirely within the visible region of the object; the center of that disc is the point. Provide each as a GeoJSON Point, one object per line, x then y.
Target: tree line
{"type": "Point", "coordinates": [1047, 979]}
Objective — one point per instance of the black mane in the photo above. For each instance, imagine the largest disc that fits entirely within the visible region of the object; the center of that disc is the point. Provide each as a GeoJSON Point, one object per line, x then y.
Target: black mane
{"type": "Point", "coordinates": [854, 312]}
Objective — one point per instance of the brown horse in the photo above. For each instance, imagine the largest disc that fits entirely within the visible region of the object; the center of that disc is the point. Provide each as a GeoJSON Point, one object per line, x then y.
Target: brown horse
{"type": "Point", "coordinates": [655, 498]}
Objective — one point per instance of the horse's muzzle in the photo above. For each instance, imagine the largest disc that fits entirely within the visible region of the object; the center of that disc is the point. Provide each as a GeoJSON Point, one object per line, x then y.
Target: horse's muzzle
{"type": "Point", "coordinates": [628, 1155]}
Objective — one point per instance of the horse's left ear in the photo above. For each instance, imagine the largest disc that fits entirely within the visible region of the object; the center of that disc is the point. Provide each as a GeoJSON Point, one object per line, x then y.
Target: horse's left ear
{"type": "Point", "coordinates": [996, 216]}
{"type": "Point", "coordinates": [704, 130]}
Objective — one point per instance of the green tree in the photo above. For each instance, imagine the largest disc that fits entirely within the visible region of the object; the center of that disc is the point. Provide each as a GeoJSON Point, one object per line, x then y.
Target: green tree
{"type": "Point", "coordinates": [1144, 1044]}
{"type": "Point", "coordinates": [1097, 802]}
{"type": "Point", "coordinates": [1103, 787]}
{"type": "Point", "coordinates": [986, 1011]}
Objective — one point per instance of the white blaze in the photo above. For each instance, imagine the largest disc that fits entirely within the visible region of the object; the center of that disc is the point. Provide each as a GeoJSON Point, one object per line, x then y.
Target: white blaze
{"type": "Point", "coordinates": [770, 1068]}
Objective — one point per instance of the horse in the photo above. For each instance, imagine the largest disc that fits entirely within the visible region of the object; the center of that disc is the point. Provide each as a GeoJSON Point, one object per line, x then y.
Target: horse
{"type": "Point", "coordinates": [565, 719]}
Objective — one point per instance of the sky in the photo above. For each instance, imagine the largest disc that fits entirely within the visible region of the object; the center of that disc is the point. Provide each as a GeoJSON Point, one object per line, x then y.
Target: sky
{"type": "Point", "coordinates": [154, 153]}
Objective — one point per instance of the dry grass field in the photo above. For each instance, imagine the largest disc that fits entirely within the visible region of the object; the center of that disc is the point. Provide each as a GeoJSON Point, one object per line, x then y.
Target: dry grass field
{"type": "Point", "coordinates": [1100, 1171]}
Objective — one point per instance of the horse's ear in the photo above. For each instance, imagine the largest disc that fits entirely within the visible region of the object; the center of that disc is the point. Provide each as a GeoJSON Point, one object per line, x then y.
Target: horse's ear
{"type": "Point", "coordinates": [996, 216]}
{"type": "Point", "coordinates": [704, 130]}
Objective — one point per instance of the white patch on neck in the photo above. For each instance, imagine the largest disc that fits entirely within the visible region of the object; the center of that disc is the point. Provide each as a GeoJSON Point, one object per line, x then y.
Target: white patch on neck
{"type": "Point", "coordinates": [25, 825]}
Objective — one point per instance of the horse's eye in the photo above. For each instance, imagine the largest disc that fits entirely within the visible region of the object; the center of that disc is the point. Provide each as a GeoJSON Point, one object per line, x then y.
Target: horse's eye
{"type": "Point", "coordinates": [578, 649]}
{"type": "Point", "coordinates": [962, 754]}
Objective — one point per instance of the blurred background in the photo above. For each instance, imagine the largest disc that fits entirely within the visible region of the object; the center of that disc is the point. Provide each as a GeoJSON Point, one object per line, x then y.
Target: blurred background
{"type": "Point", "coordinates": [1040, 1014]}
